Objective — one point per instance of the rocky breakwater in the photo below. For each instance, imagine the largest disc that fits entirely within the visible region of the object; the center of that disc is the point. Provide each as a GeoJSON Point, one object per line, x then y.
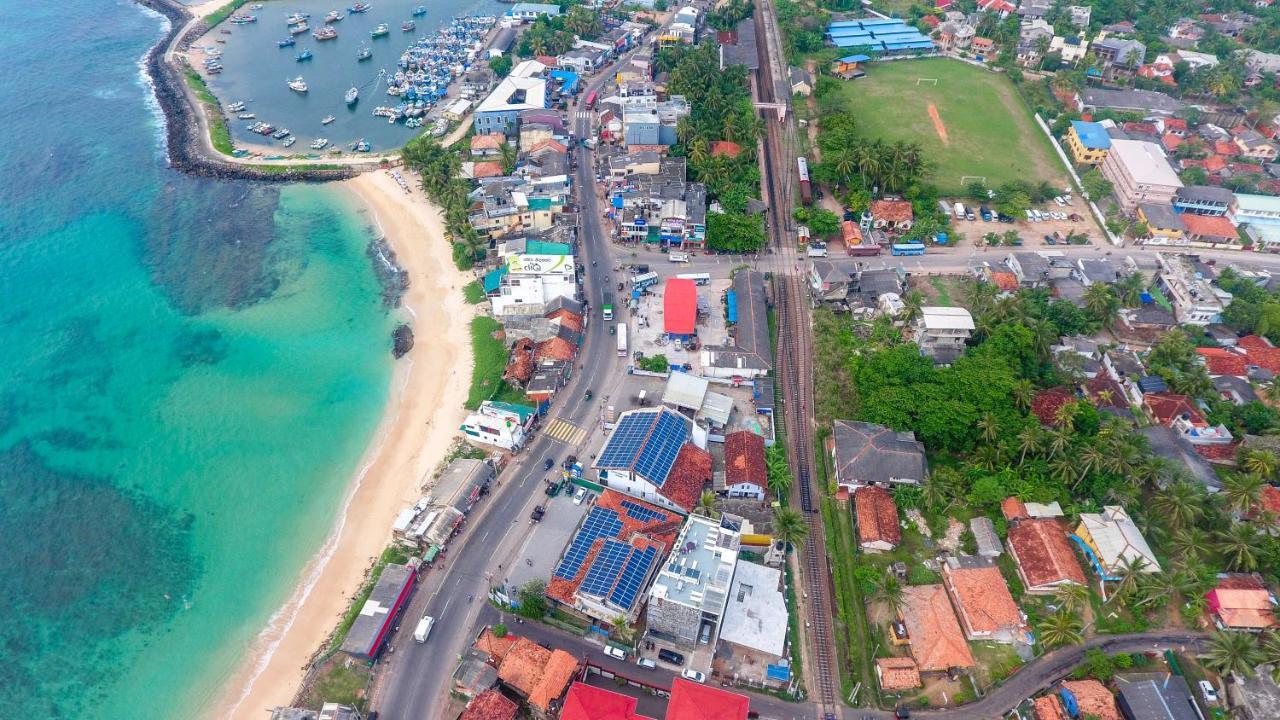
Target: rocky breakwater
{"type": "Point", "coordinates": [187, 144]}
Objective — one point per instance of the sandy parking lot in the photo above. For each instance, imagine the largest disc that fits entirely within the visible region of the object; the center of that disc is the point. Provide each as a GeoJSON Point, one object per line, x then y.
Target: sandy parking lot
{"type": "Point", "coordinates": [1032, 233]}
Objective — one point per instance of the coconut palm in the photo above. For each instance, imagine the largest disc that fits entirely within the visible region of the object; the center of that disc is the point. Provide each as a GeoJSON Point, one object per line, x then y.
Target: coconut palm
{"type": "Point", "coordinates": [1059, 442]}
{"type": "Point", "coordinates": [1242, 491]}
{"type": "Point", "coordinates": [1180, 503]}
{"type": "Point", "coordinates": [1060, 628]}
{"type": "Point", "coordinates": [1029, 441]}
{"type": "Point", "coordinates": [1024, 392]}
{"type": "Point", "coordinates": [778, 471]}
{"type": "Point", "coordinates": [1130, 288]}
{"type": "Point", "coordinates": [888, 593]}
{"type": "Point", "coordinates": [789, 526]}
{"type": "Point", "coordinates": [1065, 416]}
{"type": "Point", "coordinates": [1234, 654]}
{"type": "Point", "coordinates": [1260, 462]}
{"type": "Point", "coordinates": [707, 504]}
{"type": "Point", "coordinates": [1101, 303]}
{"type": "Point", "coordinates": [1239, 546]}
{"type": "Point", "coordinates": [1062, 469]}
{"type": "Point", "coordinates": [1127, 581]}
{"type": "Point", "coordinates": [1071, 597]}
{"type": "Point", "coordinates": [911, 304]}
{"type": "Point", "coordinates": [1270, 647]}
{"type": "Point", "coordinates": [936, 493]}
{"type": "Point", "coordinates": [1272, 392]}
{"type": "Point", "coordinates": [624, 633]}
{"type": "Point", "coordinates": [1191, 542]}
{"type": "Point", "coordinates": [1089, 460]}
{"type": "Point", "coordinates": [988, 427]}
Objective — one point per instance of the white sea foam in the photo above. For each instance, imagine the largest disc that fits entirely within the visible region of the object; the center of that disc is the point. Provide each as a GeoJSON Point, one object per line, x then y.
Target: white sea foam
{"type": "Point", "coordinates": [147, 82]}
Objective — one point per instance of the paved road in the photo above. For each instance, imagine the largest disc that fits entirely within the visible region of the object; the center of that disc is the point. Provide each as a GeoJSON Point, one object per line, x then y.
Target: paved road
{"type": "Point", "coordinates": [413, 678]}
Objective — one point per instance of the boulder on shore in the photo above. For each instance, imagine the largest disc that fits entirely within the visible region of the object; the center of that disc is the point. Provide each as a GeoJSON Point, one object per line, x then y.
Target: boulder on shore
{"type": "Point", "coordinates": [403, 337]}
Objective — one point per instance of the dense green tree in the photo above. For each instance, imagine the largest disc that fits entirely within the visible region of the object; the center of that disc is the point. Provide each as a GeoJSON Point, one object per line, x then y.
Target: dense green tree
{"type": "Point", "coordinates": [734, 233]}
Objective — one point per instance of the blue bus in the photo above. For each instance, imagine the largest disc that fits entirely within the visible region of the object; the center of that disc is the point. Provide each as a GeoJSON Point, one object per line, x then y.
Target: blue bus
{"type": "Point", "coordinates": [909, 248]}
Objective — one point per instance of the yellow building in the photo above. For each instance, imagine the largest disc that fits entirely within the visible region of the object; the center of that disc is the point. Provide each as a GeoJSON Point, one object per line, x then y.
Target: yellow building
{"type": "Point", "coordinates": [1088, 141]}
{"type": "Point", "coordinates": [1163, 222]}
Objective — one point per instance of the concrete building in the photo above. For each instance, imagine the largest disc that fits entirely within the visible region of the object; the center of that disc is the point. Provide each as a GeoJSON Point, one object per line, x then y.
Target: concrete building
{"type": "Point", "coordinates": [500, 111]}
{"type": "Point", "coordinates": [531, 282]}
{"type": "Point", "coordinates": [500, 424]}
{"type": "Point", "coordinates": [1205, 200]}
{"type": "Point", "coordinates": [1080, 15]}
{"type": "Point", "coordinates": [528, 12]}
{"type": "Point", "coordinates": [1139, 172]}
{"type": "Point", "coordinates": [1088, 142]}
{"type": "Point", "coordinates": [751, 353]}
{"type": "Point", "coordinates": [941, 332]}
{"type": "Point", "coordinates": [755, 621]}
{"type": "Point", "coordinates": [1156, 696]}
{"type": "Point", "coordinates": [648, 122]}
{"type": "Point", "coordinates": [1195, 300]}
{"type": "Point", "coordinates": [689, 596]}
{"type": "Point", "coordinates": [641, 456]}
{"type": "Point", "coordinates": [877, 519]}
{"type": "Point", "coordinates": [1043, 555]}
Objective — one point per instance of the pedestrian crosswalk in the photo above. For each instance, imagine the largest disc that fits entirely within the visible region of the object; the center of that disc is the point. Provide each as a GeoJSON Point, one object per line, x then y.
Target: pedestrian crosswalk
{"type": "Point", "coordinates": [566, 432]}
{"type": "Point", "coordinates": [584, 114]}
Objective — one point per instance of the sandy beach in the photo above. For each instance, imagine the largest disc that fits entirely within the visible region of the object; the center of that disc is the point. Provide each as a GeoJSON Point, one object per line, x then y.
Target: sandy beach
{"type": "Point", "coordinates": [423, 412]}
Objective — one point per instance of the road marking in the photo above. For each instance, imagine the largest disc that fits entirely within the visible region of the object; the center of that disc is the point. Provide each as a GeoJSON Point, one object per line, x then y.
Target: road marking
{"type": "Point", "coordinates": [565, 432]}
{"type": "Point", "coordinates": [485, 536]}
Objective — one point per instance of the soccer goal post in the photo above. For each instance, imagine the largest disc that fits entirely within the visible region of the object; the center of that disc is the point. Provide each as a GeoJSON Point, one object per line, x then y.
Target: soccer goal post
{"type": "Point", "coordinates": [966, 179]}
{"type": "Point", "coordinates": [927, 81]}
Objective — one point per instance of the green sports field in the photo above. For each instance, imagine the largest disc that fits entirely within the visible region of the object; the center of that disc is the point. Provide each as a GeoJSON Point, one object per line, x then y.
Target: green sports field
{"type": "Point", "coordinates": [989, 130]}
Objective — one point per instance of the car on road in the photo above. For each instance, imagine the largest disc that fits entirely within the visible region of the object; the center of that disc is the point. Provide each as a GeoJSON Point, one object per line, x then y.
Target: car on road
{"type": "Point", "coordinates": [901, 713]}
{"type": "Point", "coordinates": [694, 675]}
{"type": "Point", "coordinates": [548, 464]}
{"type": "Point", "coordinates": [616, 653]}
{"type": "Point", "coordinates": [1208, 692]}
{"type": "Point", "coordinates": [646, 663]}
{"type": "Point", "coordinates": [579, 496]}
{"type": "Point", "coordinates": [670, 656]}
{"type": "Point", "coordinates": [538, 512]}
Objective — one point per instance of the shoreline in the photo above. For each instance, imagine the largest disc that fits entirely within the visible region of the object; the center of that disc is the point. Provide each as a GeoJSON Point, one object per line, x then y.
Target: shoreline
{"type": "Point", "coordinates": [424, 408]}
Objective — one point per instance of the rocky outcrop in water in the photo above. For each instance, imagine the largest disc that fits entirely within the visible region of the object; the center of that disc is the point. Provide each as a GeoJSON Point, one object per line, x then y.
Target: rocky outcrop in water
{"type": "Point", "coordinates": [403, 337]}
{"type": "Point", "coordinates": [393, 278]}
{"type": "Point", "coordinates": [187, 151]}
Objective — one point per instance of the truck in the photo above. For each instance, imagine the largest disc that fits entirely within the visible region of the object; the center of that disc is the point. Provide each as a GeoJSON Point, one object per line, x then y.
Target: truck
{"type": "Point", "coordinates": [606, 307]}
{"type": "Point", "coordinates": [806, 190]}
{"type": "Point", "coordinates": [421, 632]}
{"type": "Point", "coordinates": [959, 211]}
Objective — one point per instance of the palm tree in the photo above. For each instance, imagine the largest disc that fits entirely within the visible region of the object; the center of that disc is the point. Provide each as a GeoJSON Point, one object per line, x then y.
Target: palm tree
{"type": "Point", "coordinates": [888, 593]}
{"type": "Point", "coordinates": [1059, 442]}
{"type": "Point", "coordinates": [1028, 442]}
{"type": "Point", "coordinates": [1024, 392]}
{"type": "Point", "coordinates": [707, 504]}
{"type": "Point", "coordinates": [778, 471]}
{"type": "Point", "coordinates": [1239, 546]}
{"type": "Point", "coordinates": [1060, 628]}
{"type": "Point", "coordinates": [1180, 503]}
{"type": "Point", "coordinates": [911, 304]}
{"type": "Point", "coordinates": [622, 631]}
{"type": "Point", "coordinates": [1130, 288]}
{"type": "Point", "coordinates": [1090, 459]}
{"type": "Point", "coordinates": [1191, 542]}
{"type": "Point", "coordinates": [988, 427]}
{"type": "Point", "coordinates": [789, 526]}
{"type": "Point", "coordinates": [1130, 569]}
{"type": "Point", "coordinates": [1242, 491]}
{"type": "Point", "coordinates": [1071, 597]}
{"type": "Point", "coordinates": [1260, 462]}
{"type": "Point", "coordinates": [1101, 302]}
{"type": "Point", "coordinates": [1232, 654]}
{"type": "Point", "coordinates": [1065, 416]}
{"type": "Point", "coordinates": [936, 492]}
{"type": "Point", "coordinates": [1270, 647]}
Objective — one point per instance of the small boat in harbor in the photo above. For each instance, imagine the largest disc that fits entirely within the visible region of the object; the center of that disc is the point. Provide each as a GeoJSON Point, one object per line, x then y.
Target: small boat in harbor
{"type": "Point", "coordinates": [408, 25]}
{"type": "Point", "coordinates": [359, 7]}
{"type": "Point", "coordinates": [365, 54]}
{"type": "Point", "coordinates": [360, 145]}
{"type": "Point", "coordinates": [287, 42]}
{"type": "Point", "coordinates": [333, 16]}
{"type": "Point", "coordinates": [256, 6]}
{"type": "Point", "coordinates": [298, 29]}
{"type": "Point", "coordinates": [289, 141]}
{"type": "Point", "coordinates": [352, 95]}
{"type": "Point", "coordinates": [247, 116]}
{"type": "Point", "coordinates": [325, 33]}
{"type": "Point", "coordinates": [420, 11]}
{"type": "Point", "coordinates": [319, 143]}
{"type": "Point", "coordinates": [281, 134]}
{"type": "Point", "coordinates": [214, 69]}
{"type": "Point", "coordinates": [236, 106]}
{"type": "Point", "coordinates": [304, 55]}
{"type": "Point", "coordinates": [298, 85]}
{"type": "Point", "coordinates": [243, 19]}
{"type": "Point", "coordinates": [327, 119]}
{"type": "Point", "coordinates": [380, 31]}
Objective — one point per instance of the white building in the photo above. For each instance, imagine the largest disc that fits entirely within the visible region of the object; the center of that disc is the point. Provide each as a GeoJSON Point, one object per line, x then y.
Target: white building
{"type": "Point", "coordinates": [1115, 541]}
{"type": "Point", "coordinates": [942, 331]}
{"type": "Point", "coordinates": [500, 424]}
{"type": "Point", "coordinates": [688, 599]}
{"type": "Point", "coordinates": [755, 619]}
{"type": "Point", "coordinates": [532, 281]}
{"type": "Point", "coordinates": [649, 455]}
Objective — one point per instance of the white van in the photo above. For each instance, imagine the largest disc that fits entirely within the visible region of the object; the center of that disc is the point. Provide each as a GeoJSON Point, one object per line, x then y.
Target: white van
{"type": "Point", "coordinates": [424, 628]}
{"type": "Point", "coordinates": [678, 257]}
{"type": "Point", "coordinates": [616, 653]}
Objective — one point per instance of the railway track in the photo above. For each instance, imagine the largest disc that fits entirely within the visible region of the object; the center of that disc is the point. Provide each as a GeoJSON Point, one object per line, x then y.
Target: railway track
{"type": "Point", "coordinates": [795, 366]}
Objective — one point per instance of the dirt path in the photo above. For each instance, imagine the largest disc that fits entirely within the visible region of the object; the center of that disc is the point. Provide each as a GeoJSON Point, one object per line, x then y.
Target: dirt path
{"type": "Point", "coordinates": [937, 124]}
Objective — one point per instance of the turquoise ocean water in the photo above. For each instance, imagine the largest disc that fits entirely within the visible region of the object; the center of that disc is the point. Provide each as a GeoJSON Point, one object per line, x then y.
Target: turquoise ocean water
{"type": "Point", "coordinates": [190, 371]}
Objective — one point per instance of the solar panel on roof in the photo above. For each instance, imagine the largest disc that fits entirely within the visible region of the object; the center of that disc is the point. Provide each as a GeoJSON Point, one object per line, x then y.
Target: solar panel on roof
{"type": "Point", "coordinates": [624, 444]}
{"type": "Point", "coordinates": [660, 451]}
{"type": "Point", "coordinates": [600, 522]}
{"type": "Point", "coordinates": [632, 578]}
{"type": "Point", "coordinates": [605, 568]}
{"type": "Point", "coordinates": [636, 511]}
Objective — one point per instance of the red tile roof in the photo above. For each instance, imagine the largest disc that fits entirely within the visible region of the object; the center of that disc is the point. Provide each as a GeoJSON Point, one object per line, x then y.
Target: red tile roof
{"type": "Point", "coordinates": [490, 705]}
{"type": "Point", "coordinates": [557, 673]}
{"type": "Point", "coordinates": [1048, 708]}
{"type": "Point", "coordinates": [1225, 453]}
{"type": "Point", "coordinates": [1270, 500]}
{"type": "Point", "coordinates": [680, 307]}
{"type": "Point", "coordinates": [982, 599]}
{"type": "Point", "coordinates": [898, 673]}
{"type": "Point", "coordinates": [891, 210]}
{"type": "Point", "coordinates": [587, 702]}
{"type": "Point", "coordinates": [1013, 509]}
{"type": "Point", "coordinates": [1242, 607]}
{"type": "Point", "coordinates": [1046, 404]}
{"type": "Point", "coordinates": [487, 169]}
{"type": "Point", "coordinates": [1096, 385]}
{"type": "Point", "coordinates": [539, 674]}
{"type": "Point", "coordinates": [520, 367]}
{"type": "Point", "coordinates": [1213, 163]}
{"type": "Point", "coordinates": [1261, 352]}
{"type": "Point", "coordinates": [1175, 124]}
{"type": "Point", "coordinates": [937, 643]}
{"type": "Point", "coordinates": [1006, 281]}
{"type": "Point", "coordinates": [1246, 168]}
{"type": "Point", "coordinates": [744, 459]}
{"type": "Point", "coordinates": [725, 148]}
{"type": "Point", "coordinates": [694, 701]}
{"type": "Point", "coordinates": [877, 516]}
{"type": "Point", "coordinates": [1209, 226]}
{"type": "Point", "coordinates": [933, 22]}
{"type": "Point", "coordinates": [493, 646]}
{"type": "Point", "coordinates": [487, 141]}
{"type": "Point", "coordinates": [555, 348]}
{"type": "Point", "coordinates": [1094, 699]}
{"type": "Point", "coordinates": [1171, 141]}
{"type": "Point", "coordinates": [1142, 128]}
{"type": "Point", "coordinates": [1043, 553]}
{"type": "Point", "coordinates": [552, 145]}
{"type": "Point", "coordinates": [1166, 407]}
{"type": "Point", "coordinates": [1221, 361]}
{"type": "Point", "coordinates": [690, 475]}
{"type": "Point", "coordinates": [1225, 147]}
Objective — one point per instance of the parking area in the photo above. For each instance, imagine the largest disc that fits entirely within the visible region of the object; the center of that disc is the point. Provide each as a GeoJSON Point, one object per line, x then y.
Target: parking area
{"type": "Point", "coordinates": [546, 539]}
{"type": "Point", "coordinates": [1077, 220]}
{"type": "Point", "coordinates": [647, 326]}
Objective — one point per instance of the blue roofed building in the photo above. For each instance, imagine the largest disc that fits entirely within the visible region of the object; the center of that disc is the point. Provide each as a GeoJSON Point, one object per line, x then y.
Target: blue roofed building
{"type": "Point", "coordinates": [1088, 141]}
{"type": "Point", "coordinates": [879, 36]}
{"type": "Point", "coordinates": [657, 455]}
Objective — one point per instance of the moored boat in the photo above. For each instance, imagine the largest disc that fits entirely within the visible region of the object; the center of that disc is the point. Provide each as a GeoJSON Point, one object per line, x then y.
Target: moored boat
{"type": "Point", "coordinates": [325, 33]}
{"type": "Point", "coordinates": [298, 85]}
{"type": "Point", "coordinates": [327, 119]}
{"type": "Point", "coordinates": [365, 54]}
{"type": "Point", "coordinates": [298, 29]}
{"type": "Point", "coordinates": [246, 116]}
{"type": "Point", "coordinates": [360, 145]}
{"type": "Point", "coordinates": [281, 134]}
{"type": "Point", "coordinates": [420, 11]}
{"type": "Point", "coordinates": [359, 7]}
{"type": "Point", "coordinates": [408, 25]}
{"type": "Point", "coordinates": [304, 55]}
{"type": "Point", "coordinates": [381, 30]}
{"type": "Point", "coordinates": [319, 143]}
{"type": "Point", "coordinates": [287, 42]}
{"type": "Point", "coordinates": [333, 16]}
{"type": "Point", "coordinates": [236, 106]}
{"type": "Point", "coordinates": [289, 141]}
{"type": "Point", "coordinates": [352, 95]}
{"type": "Point", "coordinates": [243, 19]}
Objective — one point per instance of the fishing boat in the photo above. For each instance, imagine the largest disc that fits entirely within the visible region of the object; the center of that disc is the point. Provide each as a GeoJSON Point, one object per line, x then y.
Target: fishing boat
{"type": "Point", "coordinates": [281, 134]}
{"type": "Point", "coordinates": [289, 141]}
{"type": "Point", "coordinates": [360, 145]}
{"type": "Point", "coordinates": [420, 11]}
{"type": "Point", "coordinates": [246, 116]}
{"type": "Point", "coordinates": [319, 143]}
{"type": "Point", "coordinates": [287, 42]}
{"type": "Point", "coordinates": [380, 31]}
{"type": "Point", "coordinates": [243, 19]}
{"type": "Point", "coordinates": [327, 119]}
{"type": "Point", "coordinates": [352, 95]}
{"type": "Point", "coordinates": [304, 55]}
{"type": "Point", "coordinates": [408, 25]}
{"type": "Point", "coordinates": [298, 29]}
{"type": "Point", "coordinates": [298, 85]}
{"type": "Point", "coordinates": [440, 127]}
{"type": "Point", "coordinates": [333, 16]}
{"type": "Point", "coordinates": [296, 18]}
{"type": "Point", "coordinates": [214, 69]}
{"type": "Point", "coordinates": [236, 106]}
{"type": "Point", "coordinates": [359, 7]}
{"type": "Point", "coordinates": [365, 54]}
{"type": "Point", "coordinates": [256, 6]}
{"type": "Point", "coordinates": [325, 33]}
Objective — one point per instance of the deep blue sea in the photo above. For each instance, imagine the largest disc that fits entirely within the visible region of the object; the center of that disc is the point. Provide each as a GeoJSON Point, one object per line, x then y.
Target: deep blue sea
{"type": "Point", "coordinates": [190, 371]}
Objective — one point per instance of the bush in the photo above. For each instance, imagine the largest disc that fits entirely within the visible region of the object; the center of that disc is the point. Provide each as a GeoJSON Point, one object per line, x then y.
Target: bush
{"type": "Point", "coordinates": [533, 599]}
{"type": "Point", "coordinates": [657, 363]}
{"type": "Point", "coordinates": [499, 630]}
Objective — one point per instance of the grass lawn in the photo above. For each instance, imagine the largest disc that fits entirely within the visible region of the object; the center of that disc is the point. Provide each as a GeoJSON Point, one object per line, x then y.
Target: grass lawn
{"type": "Point", "coordinates": [474, 292]}
{"type": "Point", "coordinates": [989, 131]}
{"type": "Point", "coordinates": [340, 682]}
{"type": "Point", "coordinates": [490, 362]}
{"type": "Point", "coordinates": [996, 662]}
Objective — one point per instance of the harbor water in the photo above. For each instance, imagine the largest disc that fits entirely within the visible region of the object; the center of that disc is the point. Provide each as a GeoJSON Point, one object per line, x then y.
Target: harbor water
{"type": "Point", "coordinates": [190, 371]}
{"type": "Point", "coordinates": [256, 70]}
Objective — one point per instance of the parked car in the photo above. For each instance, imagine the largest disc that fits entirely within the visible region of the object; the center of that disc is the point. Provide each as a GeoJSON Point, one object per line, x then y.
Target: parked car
{"type": "Point", "coordinates": [1060, 201]}
{"type": "Point", "coordinates": [670, 656]}
{"type": "Point", "coordinates": [901, 713]}
{"type": "Point", "coordinates": [969, 216]}
{"type": "Point", "coordinates": [1031, 216]}
{"type": "Point", "coordinates": [693, 675]}
{"type": "Point", "coordinates": [986, 213]}
{"type": "Point", "coordinates": [1004, 218]}
{"type": "Point", "coordinates": [616, 653]}
{"type": "Point", "coordinates": [1049, 239]}
{"type": "Point", "coordinates": [579, 496]}
{"type": "Point", "coordinates": [538, 512]}
{"type": "Point", "coordinates": [646, 663]}
{"type": "Point", "coordinates": [1208, 692]}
